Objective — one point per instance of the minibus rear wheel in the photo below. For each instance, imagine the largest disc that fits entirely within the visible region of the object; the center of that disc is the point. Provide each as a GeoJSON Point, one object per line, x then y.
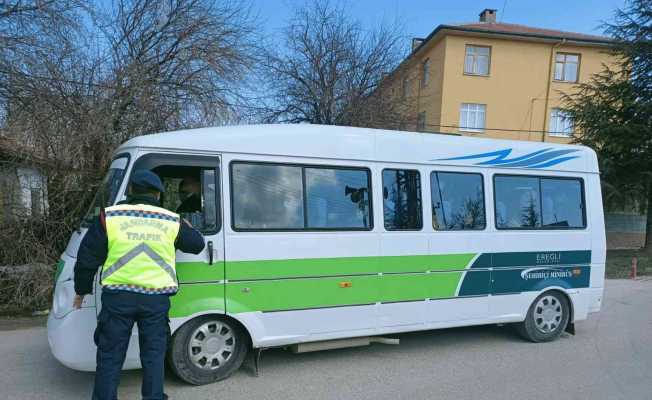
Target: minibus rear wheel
{"type": "Point", "coordinates": [207, 349]}
{"type": "Point", "coordinates": [547, 317]}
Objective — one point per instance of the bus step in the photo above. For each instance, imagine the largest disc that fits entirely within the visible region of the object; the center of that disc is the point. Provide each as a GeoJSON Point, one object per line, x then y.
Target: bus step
{"type": "Point", "coordinates": [340, 344]}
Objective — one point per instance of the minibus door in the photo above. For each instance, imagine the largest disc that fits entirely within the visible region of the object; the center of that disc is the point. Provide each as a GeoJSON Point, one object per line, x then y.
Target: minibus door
{"type": "Point", "coordinates": [201, 276]}
{"type": "Point", "coordinates": [193, 190]}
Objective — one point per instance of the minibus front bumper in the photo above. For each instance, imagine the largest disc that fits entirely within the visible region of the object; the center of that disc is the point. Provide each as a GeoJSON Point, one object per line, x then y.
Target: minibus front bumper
{"type": "Point", "coordinates": [71, 339]}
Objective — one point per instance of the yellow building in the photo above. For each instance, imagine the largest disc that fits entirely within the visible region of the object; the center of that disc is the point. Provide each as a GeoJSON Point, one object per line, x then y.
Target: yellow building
{"type": "Point", "coordinates": [494, 79]}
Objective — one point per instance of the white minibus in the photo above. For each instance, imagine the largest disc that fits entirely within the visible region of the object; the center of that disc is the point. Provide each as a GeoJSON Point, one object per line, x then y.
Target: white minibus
{"type": "Point", "coordinates": [317, 234]}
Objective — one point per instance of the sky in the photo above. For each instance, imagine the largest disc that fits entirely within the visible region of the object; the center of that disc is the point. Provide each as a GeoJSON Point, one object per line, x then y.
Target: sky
{"type": "Point", "coordinates": [420, 17]}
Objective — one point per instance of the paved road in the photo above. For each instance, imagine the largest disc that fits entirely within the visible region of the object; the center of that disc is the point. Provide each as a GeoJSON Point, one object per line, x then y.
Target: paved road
{"type": "Point", "coordinates": [609, 358]}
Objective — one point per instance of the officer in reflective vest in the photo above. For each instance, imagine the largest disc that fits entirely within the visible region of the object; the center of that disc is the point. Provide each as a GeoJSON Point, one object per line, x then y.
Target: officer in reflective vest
{"type": "Point", "coordinates": [135, 243]}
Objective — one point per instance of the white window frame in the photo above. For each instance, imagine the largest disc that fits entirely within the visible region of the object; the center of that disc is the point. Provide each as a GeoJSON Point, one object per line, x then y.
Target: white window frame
{"type": "Point", "coordinates": [560, 124]}
{"type": "Point", "coordinates": [564, 63]}
{"type": "Point", "coordinates": [473, 117]}
{"type": "Point", "coordinates": [470, 51]}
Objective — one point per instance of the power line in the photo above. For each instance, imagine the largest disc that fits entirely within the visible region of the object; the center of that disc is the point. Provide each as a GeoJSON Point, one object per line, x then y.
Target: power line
{"type": "Point", "coordinates": [480, 130]}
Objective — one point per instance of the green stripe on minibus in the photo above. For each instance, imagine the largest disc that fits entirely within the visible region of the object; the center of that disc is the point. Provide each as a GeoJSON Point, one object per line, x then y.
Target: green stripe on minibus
{"type": "Point", "coordinates": [306, 293]}
{"type": "Point", "coordinates": [199, 272]}
{"type": "Point", "coordinates": [324, 267]}
{"type": "Point", "coordinates": [59, 270]}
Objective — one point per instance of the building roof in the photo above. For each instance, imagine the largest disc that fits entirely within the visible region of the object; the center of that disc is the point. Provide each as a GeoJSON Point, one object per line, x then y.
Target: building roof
{"type": "Point", "coordinates": [507, 31]}
{"type": "Point", "coordinates": [337, 144]}
{"type": "Point", "coordinates": [516, 29]}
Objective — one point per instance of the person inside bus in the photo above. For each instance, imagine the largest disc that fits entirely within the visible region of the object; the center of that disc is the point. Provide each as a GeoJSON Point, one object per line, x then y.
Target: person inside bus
{"type": "Point", "coordinates": [190, 195]}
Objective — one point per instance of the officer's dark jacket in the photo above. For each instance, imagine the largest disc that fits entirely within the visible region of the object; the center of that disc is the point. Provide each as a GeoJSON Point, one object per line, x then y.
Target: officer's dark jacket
{"type": "Point", "coordinates": [94, 247]}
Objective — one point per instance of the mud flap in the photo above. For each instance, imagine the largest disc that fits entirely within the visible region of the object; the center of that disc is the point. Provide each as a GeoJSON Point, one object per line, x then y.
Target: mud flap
{"type": "Point", "coordinates": [570, 328]}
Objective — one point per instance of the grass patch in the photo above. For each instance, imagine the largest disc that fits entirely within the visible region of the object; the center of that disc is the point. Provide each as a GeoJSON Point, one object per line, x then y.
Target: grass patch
{"type": "Point", "coordinates": [619, 263]}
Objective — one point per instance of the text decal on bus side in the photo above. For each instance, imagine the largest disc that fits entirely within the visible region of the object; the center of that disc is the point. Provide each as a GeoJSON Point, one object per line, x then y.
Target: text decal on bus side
{"type": "Point", "coordinates": [548, 258]}
{"type": "Point", "coordinates": [545, 273]}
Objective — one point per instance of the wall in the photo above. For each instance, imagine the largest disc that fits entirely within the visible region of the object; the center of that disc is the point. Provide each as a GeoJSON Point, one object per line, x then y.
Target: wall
{"type": "Point", "coordinates": [430, 96]}
{"type": "Point", "coordinates": [515, 90]}
{"type": "Point", "coordinates": [24, 191]}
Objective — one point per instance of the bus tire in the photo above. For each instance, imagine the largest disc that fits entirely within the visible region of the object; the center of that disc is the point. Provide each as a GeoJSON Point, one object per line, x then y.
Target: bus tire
{"type": "Point", "coordinates": [546, 318]}
{"type": "Point", "coordinates": [207, 349]}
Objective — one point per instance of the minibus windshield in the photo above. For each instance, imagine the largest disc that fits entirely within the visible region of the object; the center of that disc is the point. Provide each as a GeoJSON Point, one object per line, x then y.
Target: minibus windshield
{"type": "Point", "coordinates": [108, 189]}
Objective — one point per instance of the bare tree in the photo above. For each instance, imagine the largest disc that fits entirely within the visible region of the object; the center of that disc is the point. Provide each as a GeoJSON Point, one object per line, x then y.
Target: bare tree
{"type": "Point", "coordinates": [329, 69]}
{"type": "Point", "coordinates": [177, 63]}
{"type": "Point", "coordinates": [89, 78]}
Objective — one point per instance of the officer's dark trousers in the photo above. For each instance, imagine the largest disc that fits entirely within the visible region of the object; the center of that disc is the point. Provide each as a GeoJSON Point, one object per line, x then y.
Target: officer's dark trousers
{"type": "Point", "coordinates": [119, 312]}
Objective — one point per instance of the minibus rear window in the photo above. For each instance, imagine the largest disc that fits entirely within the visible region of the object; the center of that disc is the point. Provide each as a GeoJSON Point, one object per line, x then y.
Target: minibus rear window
{"type": "Point", "coordinates": [108, 189]}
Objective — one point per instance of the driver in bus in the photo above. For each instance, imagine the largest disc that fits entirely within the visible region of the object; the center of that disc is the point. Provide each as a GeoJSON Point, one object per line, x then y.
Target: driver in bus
{"type": "Point", "coordinates": [135, 243]}
{"type": "Point", "coordinates": [190, 196]}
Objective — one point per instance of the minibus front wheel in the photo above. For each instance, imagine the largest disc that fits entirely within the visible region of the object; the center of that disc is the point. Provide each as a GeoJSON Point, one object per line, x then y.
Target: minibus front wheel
{"type": "Point", "coordinates": [207, 349]}
{"type": "Point", "coordinates": [546, 318]}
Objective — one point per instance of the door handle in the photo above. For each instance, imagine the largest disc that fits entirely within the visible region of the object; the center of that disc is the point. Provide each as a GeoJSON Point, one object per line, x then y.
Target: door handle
{"type": "Point", "coordinates": [210, 252]}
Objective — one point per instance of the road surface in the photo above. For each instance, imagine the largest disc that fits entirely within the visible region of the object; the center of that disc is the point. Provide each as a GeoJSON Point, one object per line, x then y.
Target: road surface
{"type": "Point", "coordinates": [609, 358]}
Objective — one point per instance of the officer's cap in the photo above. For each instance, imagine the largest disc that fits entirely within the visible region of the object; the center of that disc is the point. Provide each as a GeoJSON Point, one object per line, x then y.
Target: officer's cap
{"type": "Point", "coordinates": [147, 179]}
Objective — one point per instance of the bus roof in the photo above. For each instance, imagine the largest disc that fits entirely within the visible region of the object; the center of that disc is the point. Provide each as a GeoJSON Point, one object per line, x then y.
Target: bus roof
{"type": "Point", "coordinates": [364, 144]}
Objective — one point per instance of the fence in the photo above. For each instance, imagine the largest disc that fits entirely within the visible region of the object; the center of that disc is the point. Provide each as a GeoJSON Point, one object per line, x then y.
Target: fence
{"type": "Point", "coordinates": [625, 231]}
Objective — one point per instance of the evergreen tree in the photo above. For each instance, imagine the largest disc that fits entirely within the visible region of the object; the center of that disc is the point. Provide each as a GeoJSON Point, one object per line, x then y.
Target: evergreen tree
{"type": "Point", "coordinates": [613, 111]}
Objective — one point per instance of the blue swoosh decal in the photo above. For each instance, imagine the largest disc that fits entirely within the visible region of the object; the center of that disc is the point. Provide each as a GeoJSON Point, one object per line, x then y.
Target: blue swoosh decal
{"type": "Point", "coordinates": [501, 161]}
{"type": "Point", "coordinates": [550, 155]}
{"type": "Point", "coordinates": [552, 162]}
{"type": "Point", "coordinates": [537, 159]}
{"type": "Point", "coordinates": [500, 154]}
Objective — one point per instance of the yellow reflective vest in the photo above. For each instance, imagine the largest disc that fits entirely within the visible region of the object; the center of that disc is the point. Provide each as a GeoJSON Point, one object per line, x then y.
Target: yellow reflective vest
{"type": "Point", "coordinates": [141, 252]}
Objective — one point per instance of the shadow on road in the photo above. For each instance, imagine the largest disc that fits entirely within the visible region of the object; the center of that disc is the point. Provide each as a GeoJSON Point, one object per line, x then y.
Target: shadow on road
{"type": "Point", "coordinates": [411, 344]}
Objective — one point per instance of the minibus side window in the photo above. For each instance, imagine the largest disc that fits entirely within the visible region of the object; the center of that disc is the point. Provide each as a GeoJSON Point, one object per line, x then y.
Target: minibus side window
{"type": "Point", "coordinates": [518, 202]}
{"type": "Point", "coordinates": [267, 196]}
{"type": "Point", "coordinates": [457, 201]}
{"type": "Point", "coordinates": [337, 198]}
{"type": "Point", "coordinates": [531, 202]}
{"type": "Point", "coordinates": [191, 192]}
{"type": "Point", "coordinates": [562, 203]}
{"type": "Point", "coordinates": [402, 199]}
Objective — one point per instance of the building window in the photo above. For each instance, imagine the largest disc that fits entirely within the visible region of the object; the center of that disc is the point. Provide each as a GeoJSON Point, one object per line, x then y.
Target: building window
{"type": "Point", "coordinates": [472, 117]}
{"type": "Point", "coordinates": [421, 121]}
{"type": "Point", "coordinates": [425, 73]}
{"type": "Point", "coordinates": [561, 124]}
{"type": "Point", "coordinates": [402, 199]}
{"type": "Point", "coordinates": [457, 201]}
{"type": "Point", "coordinates": [530, 202]}
{"type": "Point", "coordinates": [567, 67]}
{"type": "Point", "coordinates": [477, 60]}
{"type": "Point", "coordinates": [405, 88]}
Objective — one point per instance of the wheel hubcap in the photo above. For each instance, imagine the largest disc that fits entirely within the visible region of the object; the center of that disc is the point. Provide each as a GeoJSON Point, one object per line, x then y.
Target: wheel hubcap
{"type": "Point", "coordinates": [548, 314]}
{"type": "Point", "coordinates": [211, 345]}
